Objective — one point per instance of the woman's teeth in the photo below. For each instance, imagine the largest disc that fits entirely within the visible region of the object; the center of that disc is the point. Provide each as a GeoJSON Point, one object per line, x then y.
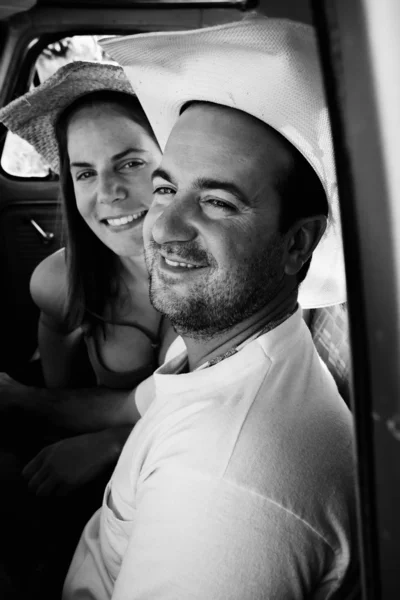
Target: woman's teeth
{"type": "Point", "coordinates": [172, 263]}
{"type": "Point", "coordinates": [125, 220]}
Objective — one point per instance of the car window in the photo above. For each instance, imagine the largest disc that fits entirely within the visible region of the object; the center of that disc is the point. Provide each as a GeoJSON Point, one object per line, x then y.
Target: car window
{"type": "Point", "coordinates": [19, 158]}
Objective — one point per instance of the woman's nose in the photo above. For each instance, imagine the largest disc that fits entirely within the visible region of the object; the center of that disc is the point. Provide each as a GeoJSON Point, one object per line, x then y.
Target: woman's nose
{"type": "Point", "coordinates": [110, 189]}
{"type": "Point", "coordinates": [175, 223]}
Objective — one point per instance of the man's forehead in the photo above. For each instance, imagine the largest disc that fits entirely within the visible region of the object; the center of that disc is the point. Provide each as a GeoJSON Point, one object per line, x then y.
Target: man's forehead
{"type": "Point", "coordinates": [216, 118]}
{"type": "Point", "coordinates": [202, 119]}
{"type": "Point", "coordinates": [219, 135]}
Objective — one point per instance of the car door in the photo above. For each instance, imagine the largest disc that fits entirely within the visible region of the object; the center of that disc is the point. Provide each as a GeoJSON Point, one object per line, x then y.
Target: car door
{"type": "Point", "coordinates": [360, 46]}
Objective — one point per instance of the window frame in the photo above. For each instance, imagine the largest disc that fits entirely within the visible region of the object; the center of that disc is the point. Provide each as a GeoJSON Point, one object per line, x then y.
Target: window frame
{"type": "Point", "coordinates": [353, 40]}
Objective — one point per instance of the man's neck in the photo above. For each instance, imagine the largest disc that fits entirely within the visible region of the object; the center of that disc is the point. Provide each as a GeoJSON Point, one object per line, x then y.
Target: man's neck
{"type": "Point", "coordinates": [202, 351]}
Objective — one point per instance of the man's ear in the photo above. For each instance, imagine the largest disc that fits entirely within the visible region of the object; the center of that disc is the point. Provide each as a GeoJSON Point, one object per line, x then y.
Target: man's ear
{"type": "Point", "coordinates": [302, 238]}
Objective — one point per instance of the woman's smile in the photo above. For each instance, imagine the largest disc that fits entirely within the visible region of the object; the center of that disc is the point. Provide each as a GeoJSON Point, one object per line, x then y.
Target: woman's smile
{"type": "Point", "coordinates": [126, 221]}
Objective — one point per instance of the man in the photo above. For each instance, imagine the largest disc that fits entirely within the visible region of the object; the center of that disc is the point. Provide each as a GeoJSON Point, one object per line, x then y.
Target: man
{"type": "Point", "coordinates": [237, 482]}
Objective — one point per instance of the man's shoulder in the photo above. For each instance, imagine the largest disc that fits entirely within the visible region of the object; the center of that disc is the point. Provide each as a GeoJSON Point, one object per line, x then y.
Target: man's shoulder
{"type": "Point", "coordinates": [298, 438]}
{"type": "Point", "coordinates": [300, 412]}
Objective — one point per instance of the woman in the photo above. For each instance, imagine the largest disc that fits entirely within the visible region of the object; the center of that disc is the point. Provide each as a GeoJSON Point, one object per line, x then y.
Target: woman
{"type": "Point", "coordinates": [97, 326]}
{"type": "Point", "coordinates": [99, 336]}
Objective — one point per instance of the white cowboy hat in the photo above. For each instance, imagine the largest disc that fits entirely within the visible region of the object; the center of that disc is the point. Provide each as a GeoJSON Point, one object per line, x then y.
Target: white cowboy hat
{"type": "Point", "coordinates": [266, 67]}
{"type": "Point", "coordinates": [33, 115]}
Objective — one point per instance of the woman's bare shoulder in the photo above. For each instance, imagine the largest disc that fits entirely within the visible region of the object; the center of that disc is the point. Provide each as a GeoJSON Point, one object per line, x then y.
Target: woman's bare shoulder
{"type": "Point", "coordinates": [48, 285]}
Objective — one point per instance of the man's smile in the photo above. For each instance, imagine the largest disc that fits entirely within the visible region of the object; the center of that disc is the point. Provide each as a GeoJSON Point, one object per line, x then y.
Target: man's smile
{"type": "Point", "coordinates": [173, 263]}
{"type": "Point", "coordinates": [177, 264]}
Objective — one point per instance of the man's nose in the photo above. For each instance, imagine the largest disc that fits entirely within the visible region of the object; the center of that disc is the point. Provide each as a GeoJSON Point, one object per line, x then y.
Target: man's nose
{"type": "Point", "coordinates": [110, 189]}
{"type": "Point", "coordinates": [176, 222]}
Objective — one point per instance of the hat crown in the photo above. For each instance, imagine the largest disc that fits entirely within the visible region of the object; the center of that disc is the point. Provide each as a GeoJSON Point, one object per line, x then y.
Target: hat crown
{"type": "Point", "coordinates": [268, 68]}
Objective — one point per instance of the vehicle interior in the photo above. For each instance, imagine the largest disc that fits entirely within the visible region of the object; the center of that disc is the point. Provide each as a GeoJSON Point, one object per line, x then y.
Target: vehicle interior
{"type": "Point", "coordinates": [359, 341]}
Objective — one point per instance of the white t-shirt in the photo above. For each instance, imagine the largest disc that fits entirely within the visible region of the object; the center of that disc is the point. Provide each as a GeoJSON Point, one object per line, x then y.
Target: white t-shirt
{"type": "Point", "coordinates": [237, 483]}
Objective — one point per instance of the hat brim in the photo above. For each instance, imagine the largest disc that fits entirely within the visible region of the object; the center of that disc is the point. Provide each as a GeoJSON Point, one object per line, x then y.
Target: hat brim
{"type": "Point", "coordinates": [33, 115]}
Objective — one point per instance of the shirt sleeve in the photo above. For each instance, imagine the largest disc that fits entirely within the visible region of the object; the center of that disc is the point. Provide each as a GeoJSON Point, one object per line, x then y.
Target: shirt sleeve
{"type": "Point", "coordinates": [196, 538]}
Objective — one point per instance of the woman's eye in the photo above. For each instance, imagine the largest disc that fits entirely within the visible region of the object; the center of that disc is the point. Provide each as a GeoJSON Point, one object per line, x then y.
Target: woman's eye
{"type": "Point", "coordinates": [84, 175]}
{"type": "Point", "coordinates": [163, 191]}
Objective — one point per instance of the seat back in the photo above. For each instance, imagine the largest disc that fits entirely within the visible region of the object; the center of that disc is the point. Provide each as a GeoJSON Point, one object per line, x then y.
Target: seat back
{"type": "Point", "coordinates": [330, 331]}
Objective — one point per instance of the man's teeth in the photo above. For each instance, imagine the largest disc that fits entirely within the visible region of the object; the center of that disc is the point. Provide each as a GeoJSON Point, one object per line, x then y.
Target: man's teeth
{"type": "Point", "coordinates": [125, 220]}
{"type": "Point", "coordinates": [172, 263]}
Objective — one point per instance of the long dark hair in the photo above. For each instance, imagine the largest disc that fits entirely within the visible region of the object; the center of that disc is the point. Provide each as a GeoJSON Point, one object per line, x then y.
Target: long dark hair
{"type": "Point", "coordinates": [91, 266]}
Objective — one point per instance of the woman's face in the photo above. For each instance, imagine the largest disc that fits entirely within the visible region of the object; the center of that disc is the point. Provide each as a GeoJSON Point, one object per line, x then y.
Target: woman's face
{"type": "Point", "coordinates": [111, 160]}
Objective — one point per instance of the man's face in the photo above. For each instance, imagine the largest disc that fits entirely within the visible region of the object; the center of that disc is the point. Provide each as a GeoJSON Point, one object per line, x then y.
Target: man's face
{"type": "Point", "coordinates": [213, 248]}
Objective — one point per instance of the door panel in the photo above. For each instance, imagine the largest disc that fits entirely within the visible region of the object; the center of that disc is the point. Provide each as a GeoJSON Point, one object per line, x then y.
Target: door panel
{"type": "Point", "coordinates": [29, 231]}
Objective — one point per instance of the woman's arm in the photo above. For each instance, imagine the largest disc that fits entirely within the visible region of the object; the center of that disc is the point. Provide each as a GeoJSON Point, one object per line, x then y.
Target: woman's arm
{"type": "Point", "coordinates": [73, 410]}
{"type": "Point", "coordinates": [72, 462]}
{"type": "Point", "coordinates": [60, 348]}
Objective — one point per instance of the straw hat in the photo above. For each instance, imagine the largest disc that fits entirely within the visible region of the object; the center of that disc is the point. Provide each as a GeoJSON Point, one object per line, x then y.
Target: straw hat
{"type": "Point", "coordinates": [33, 115]}
{"type": "Point", "coordinates": [266, 67]}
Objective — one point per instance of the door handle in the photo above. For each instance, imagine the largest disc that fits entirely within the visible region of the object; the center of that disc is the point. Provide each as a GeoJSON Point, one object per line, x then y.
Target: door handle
{"type": "Point", "coordinates": [46, 237]}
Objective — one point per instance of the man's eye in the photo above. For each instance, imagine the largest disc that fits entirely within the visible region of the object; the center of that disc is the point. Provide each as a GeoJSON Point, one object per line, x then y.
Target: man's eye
{"type": "Point", "coordinates": [163, 191]}
{"type": "Point", "coordinates": [132, 164]}
{"type": "Point", "coordinates": [215, 203]}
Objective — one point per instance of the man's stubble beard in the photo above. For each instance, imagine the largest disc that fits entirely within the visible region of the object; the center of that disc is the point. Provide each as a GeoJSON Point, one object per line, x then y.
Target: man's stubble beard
{"type": "Point", "coordinates": [217, 303]}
